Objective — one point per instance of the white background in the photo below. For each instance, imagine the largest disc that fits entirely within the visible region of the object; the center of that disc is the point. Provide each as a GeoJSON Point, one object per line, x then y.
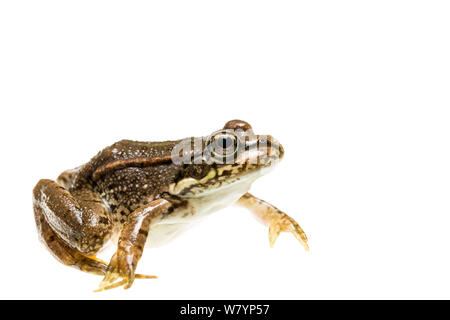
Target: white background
{"type": "Point", "coordinates": [357, 92]}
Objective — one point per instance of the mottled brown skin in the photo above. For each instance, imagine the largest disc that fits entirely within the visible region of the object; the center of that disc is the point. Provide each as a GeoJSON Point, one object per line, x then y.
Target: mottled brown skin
{"type": "Point", "coordinates": [82, 216]}
{"type": "Point", "coordinates": [124, 190]}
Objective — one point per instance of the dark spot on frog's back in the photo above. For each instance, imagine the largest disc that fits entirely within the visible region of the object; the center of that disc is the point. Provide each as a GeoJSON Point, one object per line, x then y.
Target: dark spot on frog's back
{"type": "Point", "coordinates": [104, 220]}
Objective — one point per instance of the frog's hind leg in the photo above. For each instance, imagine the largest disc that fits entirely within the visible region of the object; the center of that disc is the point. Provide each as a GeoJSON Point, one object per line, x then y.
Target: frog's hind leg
{"type": "Point", "coordinates": [73, 226]}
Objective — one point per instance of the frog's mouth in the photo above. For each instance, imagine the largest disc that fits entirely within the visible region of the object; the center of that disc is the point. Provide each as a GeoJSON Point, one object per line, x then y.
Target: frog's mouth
{"type": "Point", "coordinates": [258, 157]}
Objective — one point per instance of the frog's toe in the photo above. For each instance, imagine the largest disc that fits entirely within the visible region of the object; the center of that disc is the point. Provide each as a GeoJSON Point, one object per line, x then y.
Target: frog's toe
{"type": "Point", "coordinates": [109, 279]}
{"type": "Point", "coordinates": [110, 286]}
{"type": "Point", "coordinates": [298, 232]}
{"type": "Point", "coordinates": [126, 282]}
{"type": "Point", "coordinates": [274, 232]}
{"type": "Point", "coordinates": [109, 282]}
{"type": "Point", "coordinates": [145, 276]}
{"type": "Point", "coordinates": [112, 274]}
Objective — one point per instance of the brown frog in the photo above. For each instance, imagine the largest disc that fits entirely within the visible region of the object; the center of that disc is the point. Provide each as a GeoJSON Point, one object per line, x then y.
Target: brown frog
{"type": "Point", "coordinates": [145, 193]}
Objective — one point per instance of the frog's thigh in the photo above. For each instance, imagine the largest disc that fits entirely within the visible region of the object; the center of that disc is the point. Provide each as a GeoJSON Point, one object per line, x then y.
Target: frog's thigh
{"type": "Point", "coordinates": [62, 251]}
{"type": "Point", "coordinates": [66, 178]}
{"type": "Point", "coordinates": [79, 220]}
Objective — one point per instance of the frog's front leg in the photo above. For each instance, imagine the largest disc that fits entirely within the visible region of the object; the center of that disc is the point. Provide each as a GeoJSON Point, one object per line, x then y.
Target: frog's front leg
{"type": "Point", "coordinates": [131, 245]}
{"type": "Point", "coordinates": [277, 220]}
{"type": "Point", "coordinates": [72, 226]}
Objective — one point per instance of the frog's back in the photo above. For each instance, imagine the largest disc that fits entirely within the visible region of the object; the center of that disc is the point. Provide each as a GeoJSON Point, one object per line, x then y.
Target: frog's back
{"type": "Point", "coordinates": [128, 173]}
{"type": "Point", "coordinates": [124, 153]}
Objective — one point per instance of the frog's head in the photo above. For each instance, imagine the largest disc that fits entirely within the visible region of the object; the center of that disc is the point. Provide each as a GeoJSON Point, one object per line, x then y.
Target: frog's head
{"type": "Point", "coordinates": [228, 157]}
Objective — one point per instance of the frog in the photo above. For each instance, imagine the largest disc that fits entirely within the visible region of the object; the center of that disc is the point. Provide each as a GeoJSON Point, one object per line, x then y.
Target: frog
{"type": "Point", "coordinates": [136, 194]}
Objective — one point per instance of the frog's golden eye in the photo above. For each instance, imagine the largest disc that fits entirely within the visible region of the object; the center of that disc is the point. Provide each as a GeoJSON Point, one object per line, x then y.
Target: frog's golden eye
{"type": "Point", "coordinates": [223, 144]}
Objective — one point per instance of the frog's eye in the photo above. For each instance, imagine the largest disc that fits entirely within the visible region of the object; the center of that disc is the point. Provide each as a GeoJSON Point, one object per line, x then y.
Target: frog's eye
{"type": "Point", "coordinates": [223, 144]}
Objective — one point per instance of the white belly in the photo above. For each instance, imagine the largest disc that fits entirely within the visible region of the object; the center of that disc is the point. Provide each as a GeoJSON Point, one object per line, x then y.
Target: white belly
{"type": "Point", "coordinates": [164, 231]}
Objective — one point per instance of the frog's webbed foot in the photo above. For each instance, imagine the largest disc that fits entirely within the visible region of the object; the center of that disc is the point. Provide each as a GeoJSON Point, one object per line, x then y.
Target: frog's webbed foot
{"type": "Point", "coordinates": [277, 220]}
{"type": "Point", "coordinates": [130, 247]}
{"type": "Point", "coordinates": [112, 274]}
{"type": "Point", "coordinates": [120, 273]}
{"type": "Point", "coordinates": [286, 223]}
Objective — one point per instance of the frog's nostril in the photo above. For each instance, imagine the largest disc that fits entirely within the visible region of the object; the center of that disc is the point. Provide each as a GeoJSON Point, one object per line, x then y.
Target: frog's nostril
{"type": "Point", "coordinates": [276, 150]}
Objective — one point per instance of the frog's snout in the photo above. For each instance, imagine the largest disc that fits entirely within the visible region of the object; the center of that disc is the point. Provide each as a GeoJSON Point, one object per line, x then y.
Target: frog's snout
{"type": "Point", "coordinates": [274, 149]}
